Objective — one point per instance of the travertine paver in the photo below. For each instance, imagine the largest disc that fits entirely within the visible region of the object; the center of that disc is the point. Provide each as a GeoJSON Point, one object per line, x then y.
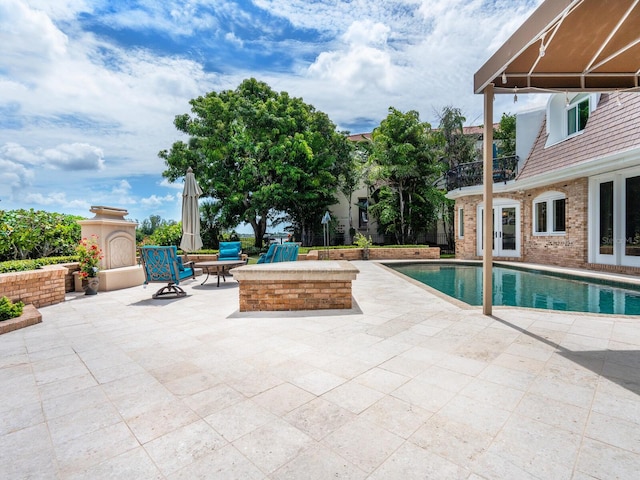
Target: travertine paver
{"type": "Point", "coordinates": [404, 385]}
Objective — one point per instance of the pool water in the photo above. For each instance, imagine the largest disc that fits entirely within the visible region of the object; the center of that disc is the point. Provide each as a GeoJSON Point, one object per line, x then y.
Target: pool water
{"type": "Point", "coordinates": [518, 287]}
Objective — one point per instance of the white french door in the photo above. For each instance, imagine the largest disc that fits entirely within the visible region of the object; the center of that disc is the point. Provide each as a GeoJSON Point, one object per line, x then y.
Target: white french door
{"type": "Point", "coordinates": [506, 229]}
{"type": "Point", "coordinates": [614, 214]}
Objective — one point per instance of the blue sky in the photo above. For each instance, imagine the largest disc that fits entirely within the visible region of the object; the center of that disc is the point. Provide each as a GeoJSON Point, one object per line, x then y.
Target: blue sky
{"type": "Point", "coordinates": [89, 88]}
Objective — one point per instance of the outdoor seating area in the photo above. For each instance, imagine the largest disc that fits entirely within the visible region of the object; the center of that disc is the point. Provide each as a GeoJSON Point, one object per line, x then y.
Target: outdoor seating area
{"type": "Point", "coordinates": [403, 385]}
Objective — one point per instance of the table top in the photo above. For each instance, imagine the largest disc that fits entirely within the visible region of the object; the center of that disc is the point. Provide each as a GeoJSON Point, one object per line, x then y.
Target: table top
{"type": "Point", "coordinates": [215, 263]}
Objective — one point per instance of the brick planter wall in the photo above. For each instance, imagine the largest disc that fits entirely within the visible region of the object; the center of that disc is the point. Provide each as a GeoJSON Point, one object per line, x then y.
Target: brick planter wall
{"type": "Point", "coordinates": [267, 295]}
{"type": "Point", "coordinates": [404, 253]}
{"type": "Point", "coordinates": [42, 287]}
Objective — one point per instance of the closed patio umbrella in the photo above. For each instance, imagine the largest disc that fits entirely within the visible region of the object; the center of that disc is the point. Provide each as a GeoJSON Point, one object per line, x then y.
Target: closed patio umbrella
{"type": "Point", "coordinates": [191, 240]}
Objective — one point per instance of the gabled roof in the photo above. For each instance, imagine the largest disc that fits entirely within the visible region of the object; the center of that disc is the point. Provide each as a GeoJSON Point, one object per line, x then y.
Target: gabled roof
{"type": "Point", "coordinates": [360, 137]}
{"type": "Point", "coordinates": [612, 128]}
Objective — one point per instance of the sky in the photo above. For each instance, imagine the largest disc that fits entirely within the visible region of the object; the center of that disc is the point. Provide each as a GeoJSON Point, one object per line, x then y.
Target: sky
{"type": "Point", "coordinates": [89, 89]}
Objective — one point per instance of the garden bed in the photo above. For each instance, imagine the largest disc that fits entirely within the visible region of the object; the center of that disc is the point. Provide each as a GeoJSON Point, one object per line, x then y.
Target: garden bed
{"type": "Point", "coordinates": [30, 316]}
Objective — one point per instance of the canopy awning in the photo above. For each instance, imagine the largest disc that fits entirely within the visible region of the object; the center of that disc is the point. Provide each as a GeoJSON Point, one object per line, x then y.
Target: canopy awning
{"type": "Point", "coordinates": [569, 45]}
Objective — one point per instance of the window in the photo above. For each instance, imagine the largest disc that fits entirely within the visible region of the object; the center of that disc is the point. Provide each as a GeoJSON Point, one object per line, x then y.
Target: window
{"type": "Point", "coordinates": [577, 114]}
{"type": "Point", "coordinates": [461, 223]}
{"type": "Point", "coordinates": [549, 214]}
{"type": "Point", "coordinates": [363, 214]}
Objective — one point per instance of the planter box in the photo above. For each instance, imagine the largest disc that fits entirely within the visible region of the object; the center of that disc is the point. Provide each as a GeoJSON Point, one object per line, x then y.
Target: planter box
{"type": "Point", "coordinates": [41, 287]}
{"type": "Point", "coordinates": [30, 316]}
{"type": "Point", "coordinates": [308, 285]}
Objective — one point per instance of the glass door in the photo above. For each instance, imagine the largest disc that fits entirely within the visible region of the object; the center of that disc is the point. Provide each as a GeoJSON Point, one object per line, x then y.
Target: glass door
{"type": "Point", "coordinates": [506, 230]}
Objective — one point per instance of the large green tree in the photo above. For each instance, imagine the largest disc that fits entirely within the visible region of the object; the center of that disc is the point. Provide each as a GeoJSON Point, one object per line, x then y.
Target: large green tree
{"type": "Point", "coordinates": [457, 148]}
{"type": "Point", "coordinates": [405, 170]}
{"type": "Point", "coordinates": [259, 153]}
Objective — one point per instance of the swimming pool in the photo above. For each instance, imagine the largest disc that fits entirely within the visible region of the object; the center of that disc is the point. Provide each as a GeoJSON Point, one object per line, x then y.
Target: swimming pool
{"type": "Point", "coordinates": [520, 287]}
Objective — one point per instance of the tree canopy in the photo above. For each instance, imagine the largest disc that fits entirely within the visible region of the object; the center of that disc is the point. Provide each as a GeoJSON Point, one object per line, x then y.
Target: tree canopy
{"type": "Point", "coordinates": [259, 152]}
{"type": "Point", "coordinates": [405, 169]}
{"type": "Point", "coordinates": [506, 135]}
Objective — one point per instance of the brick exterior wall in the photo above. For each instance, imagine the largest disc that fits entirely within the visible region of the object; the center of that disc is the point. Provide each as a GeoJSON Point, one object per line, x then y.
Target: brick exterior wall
{"type": "Point", "coordinates": [569, 250]}
{"type": "Point", "coordinates": [272, 295]}
{"type": "Point", "coordinates": [42, 287]}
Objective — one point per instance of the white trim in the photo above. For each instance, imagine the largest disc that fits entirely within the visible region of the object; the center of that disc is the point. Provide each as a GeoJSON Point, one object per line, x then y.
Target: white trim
{"type": "Point", "coordinates": [549, 199]}
{"type": "Point", "coordinates": [461, 223]}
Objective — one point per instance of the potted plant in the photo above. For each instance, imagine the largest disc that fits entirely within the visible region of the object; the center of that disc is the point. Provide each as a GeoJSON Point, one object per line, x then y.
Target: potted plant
{"type": "Point", "coordinates": [89, 259]}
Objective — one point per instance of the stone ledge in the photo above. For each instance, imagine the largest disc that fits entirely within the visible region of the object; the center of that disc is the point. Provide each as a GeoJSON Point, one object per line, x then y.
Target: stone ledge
{"type": "Point", "coordinates": [30, 316]}
{"type": "Point", "coordinates": [326, 270]}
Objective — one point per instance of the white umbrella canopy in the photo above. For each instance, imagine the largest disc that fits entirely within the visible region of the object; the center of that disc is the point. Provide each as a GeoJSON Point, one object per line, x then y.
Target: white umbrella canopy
{"type": "Point", "coordinates": [191, 240]}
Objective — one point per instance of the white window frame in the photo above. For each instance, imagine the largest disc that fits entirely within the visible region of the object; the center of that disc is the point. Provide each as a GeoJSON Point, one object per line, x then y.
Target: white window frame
{"type": "Point", "coordinates": [549, 198]}
{"type": "Point", "coordinates": [461, 222]}
{"type": "Point", "coordinates": [573, 105]}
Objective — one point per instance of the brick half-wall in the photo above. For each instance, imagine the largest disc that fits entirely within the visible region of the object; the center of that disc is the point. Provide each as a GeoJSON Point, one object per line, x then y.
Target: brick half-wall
{"type": "Point", "coordinates": [267, 295]}
{"type": "Point", "coordinates": [308, 285]}
{"type": "Point", "coordinates": [378, 253]}
{"type": "Point", "coordinates": [41, 287]}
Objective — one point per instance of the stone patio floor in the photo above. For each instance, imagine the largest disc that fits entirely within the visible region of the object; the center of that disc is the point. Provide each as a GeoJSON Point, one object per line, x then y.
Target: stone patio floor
{"type": "Point", "coordinates": [403, 386]}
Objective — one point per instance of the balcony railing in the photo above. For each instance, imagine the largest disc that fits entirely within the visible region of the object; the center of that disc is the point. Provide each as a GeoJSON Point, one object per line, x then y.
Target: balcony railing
{"type": "Point", "coordinates": [469, 174]}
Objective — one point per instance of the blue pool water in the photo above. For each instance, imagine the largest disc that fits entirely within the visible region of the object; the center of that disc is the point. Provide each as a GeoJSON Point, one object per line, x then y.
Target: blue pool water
{"type": "Point", "coordinates": [520, 287]}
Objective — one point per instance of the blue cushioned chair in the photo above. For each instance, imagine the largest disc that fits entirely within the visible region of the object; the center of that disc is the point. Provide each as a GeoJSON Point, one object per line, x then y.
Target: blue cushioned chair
{"type": "Point", "coordinates": [230, 251]}
{"type": "Point", "coordinates": [287, 252]}
{"type": "Point", "coordinates": [163, 265]}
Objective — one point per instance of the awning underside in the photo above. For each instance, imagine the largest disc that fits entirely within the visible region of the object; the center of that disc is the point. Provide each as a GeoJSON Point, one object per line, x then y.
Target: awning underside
{"type": "Point", "coordinates": [578, 45]}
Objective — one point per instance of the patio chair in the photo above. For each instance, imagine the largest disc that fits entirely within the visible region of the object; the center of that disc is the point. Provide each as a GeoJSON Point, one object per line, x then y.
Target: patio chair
{"type": "Point", "coordinates": [230, 251]}
{"type": "Point", "coordinates": [163, 265]}
{"type": "Point", "coordinates": [287, 252]}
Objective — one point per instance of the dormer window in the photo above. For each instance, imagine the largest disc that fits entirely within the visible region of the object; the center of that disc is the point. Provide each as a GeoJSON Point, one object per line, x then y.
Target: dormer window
{"type": "Point", "coordinates": [577, 114]}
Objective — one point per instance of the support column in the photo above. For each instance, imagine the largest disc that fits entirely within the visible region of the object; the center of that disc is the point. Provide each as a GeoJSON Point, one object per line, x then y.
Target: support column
{"type": "Point", "coordinates": [487, 253]}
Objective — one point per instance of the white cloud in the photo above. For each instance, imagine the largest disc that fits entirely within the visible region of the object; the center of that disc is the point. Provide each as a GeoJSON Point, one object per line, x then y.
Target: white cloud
{"type": "Point", "coordinates": [13, 178]}
{"type": "Point", "coordinates": [174, 185]}
{"type": "Point", "coordinates": [364, 62]}
{"type": "Point", "coordinates": [155, 200]}
{"type": "Point", "coordinates": [19, 154]}
{"type": "Point", "coordinates": [75, 156]}
{"type": "Point", "coordinates": [57, 199]}
{"type": "Point", "coordinates": [122, 188]}
{"type": "Point", "coordinates": [232, 38]}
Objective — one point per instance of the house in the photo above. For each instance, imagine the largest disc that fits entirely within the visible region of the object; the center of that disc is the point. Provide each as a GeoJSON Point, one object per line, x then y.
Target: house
{"type": "Point", "coordinates": [575, 200]}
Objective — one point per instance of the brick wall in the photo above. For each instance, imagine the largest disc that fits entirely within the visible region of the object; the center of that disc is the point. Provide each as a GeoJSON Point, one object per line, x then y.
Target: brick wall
{"type": "Point", "coordinates": [271, 295]}
{"type": "Point", "coordinates": [42, 287]}
{"type": "Point", "coordinates": [378, 253]}
{"type": "Point", "coordinates": [569, 250]}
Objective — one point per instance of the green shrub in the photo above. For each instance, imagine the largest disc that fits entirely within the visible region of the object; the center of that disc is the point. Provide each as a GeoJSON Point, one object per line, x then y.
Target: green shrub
{"type": "Point", "coordinates": [23, 265]}
{"type": "Point", "coordinates": [34, 233]}
{"type": "Point", "coordinates": [9, 309]}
